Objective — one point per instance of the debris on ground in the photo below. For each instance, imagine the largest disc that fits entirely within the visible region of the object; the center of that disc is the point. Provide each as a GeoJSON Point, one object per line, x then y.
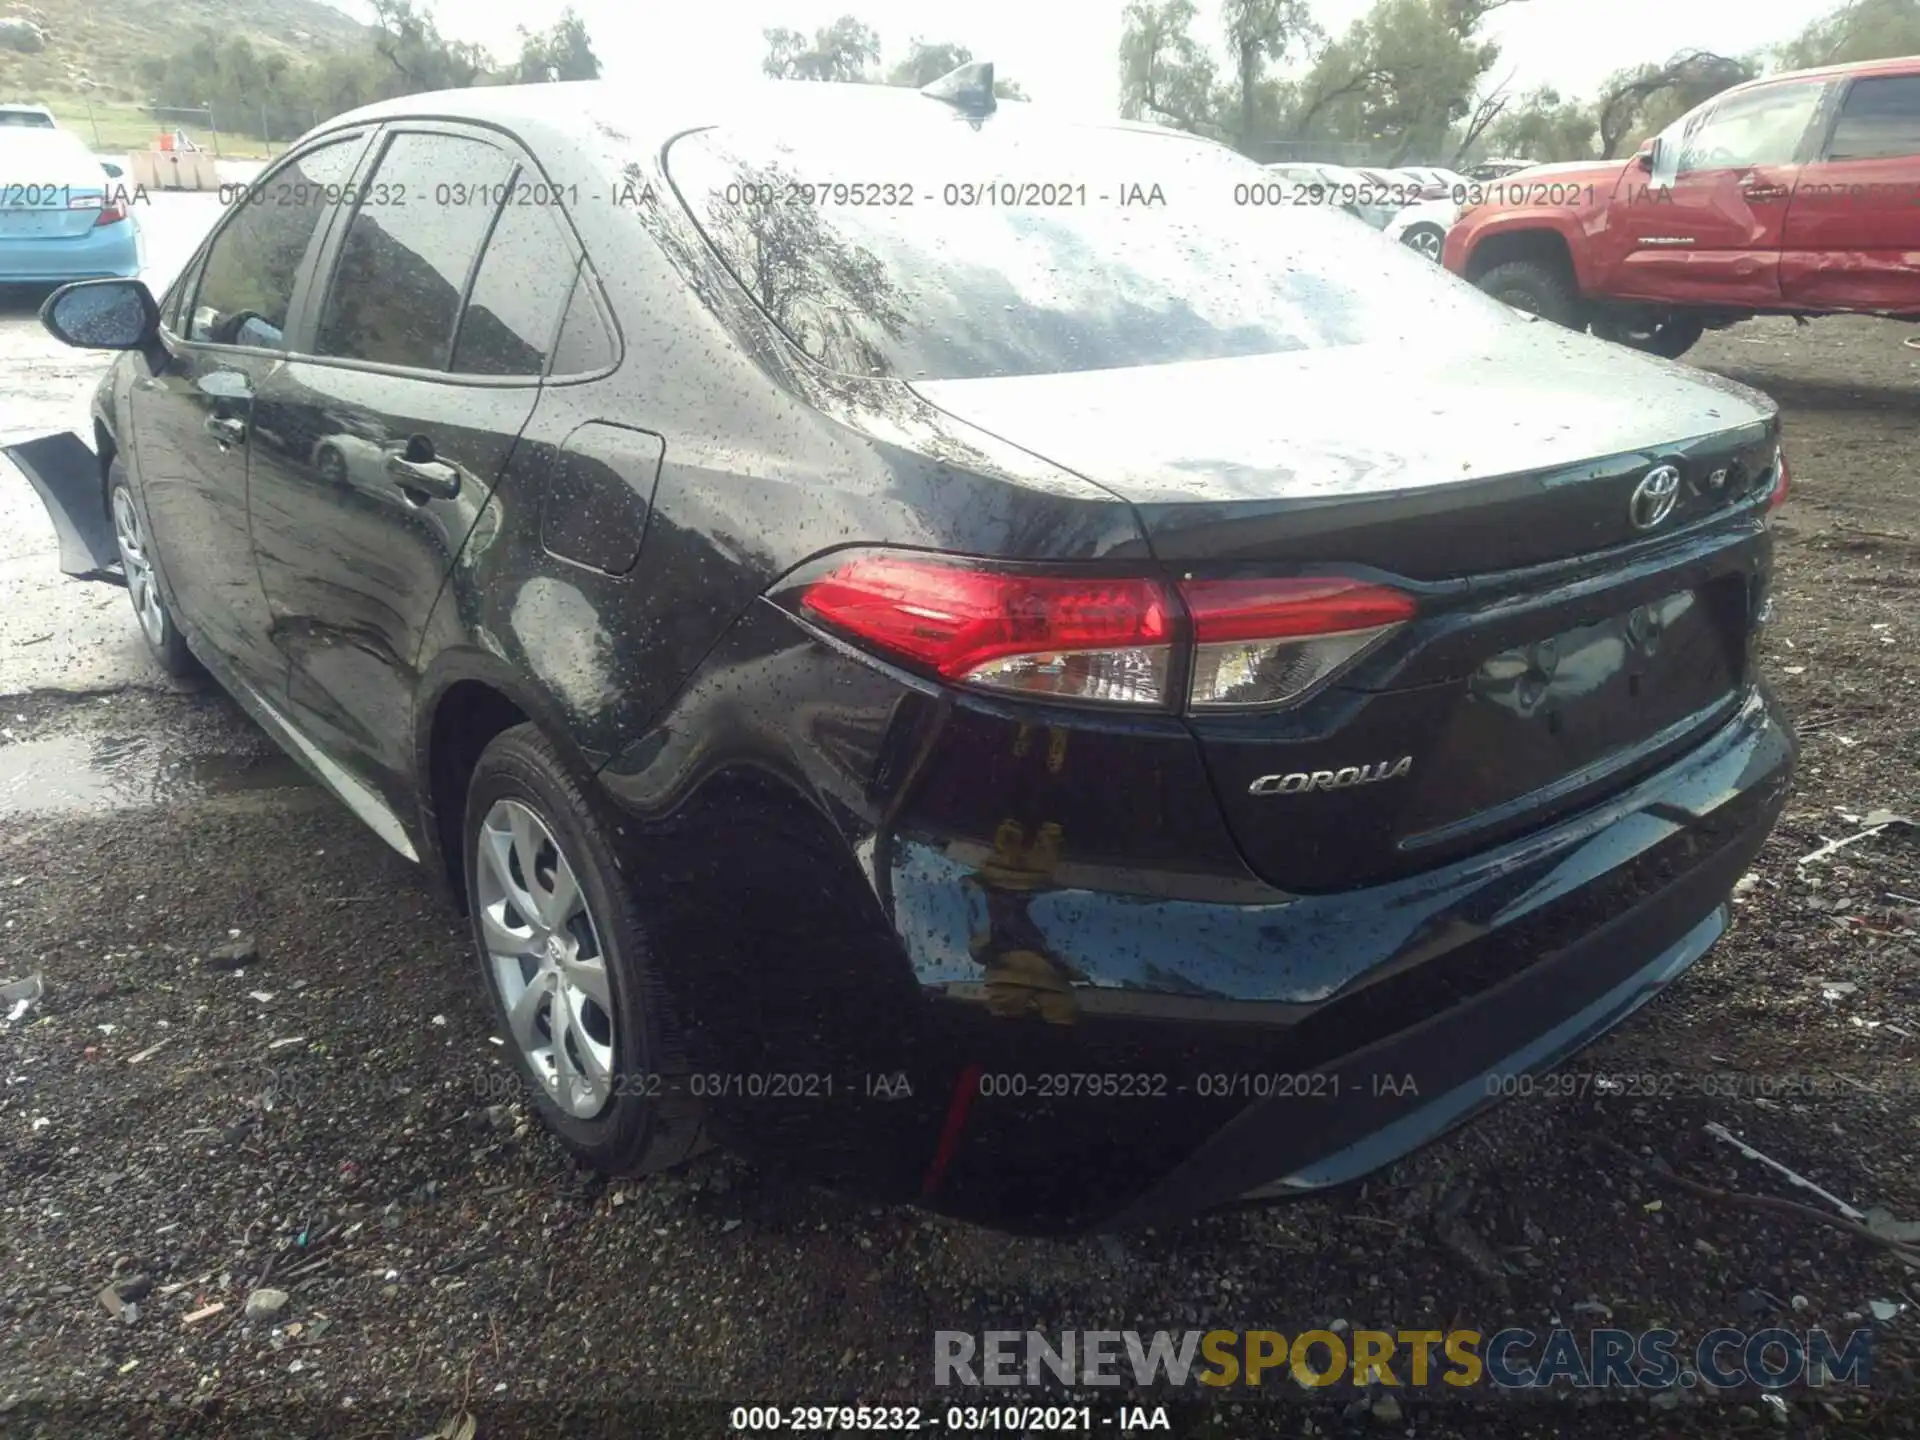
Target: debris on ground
{"type": "Point", "coordinates": [149, 1052]}
{"type": "Point", "coordinates": [265, 1303]}
{"type": "Point", "coordinates": [234, 954]}
{"type": "Point", "coordinates": [1720, 1132]}
{"type": "Point", "coordinates": [18, 996]}
{"type": "Point", "coordinates": [1873, 824]}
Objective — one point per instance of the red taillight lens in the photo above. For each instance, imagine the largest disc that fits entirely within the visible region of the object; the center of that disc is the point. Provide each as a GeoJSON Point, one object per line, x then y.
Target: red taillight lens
{"type": "Point", "coordinates": [1264, 642]}
{"type": "Point", "coordinates": [1107, 640]}
{"type": "Point", "coordinates": [110, 210]}
{"type": "Point", "coordinates": [1778, 496]}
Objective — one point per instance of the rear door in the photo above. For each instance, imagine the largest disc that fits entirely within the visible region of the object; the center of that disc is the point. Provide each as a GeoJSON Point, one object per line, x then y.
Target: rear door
{"type": "Point", "coordinates": [1853, 229]}
{"type": "Point", "coordinates": [1706, 228]}
{"type": "Point", "coordinates": [191, 403]}
{"type": "Point", "coordinates": [417, 367]}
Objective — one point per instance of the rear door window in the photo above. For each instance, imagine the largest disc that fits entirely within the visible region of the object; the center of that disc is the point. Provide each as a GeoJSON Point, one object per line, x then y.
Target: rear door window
{"type": "Point", "coordinates": [521, 289]}
{"type": "Point", "coordinates": [409, 253]}
{"type": "Point", "coordinates": [584, 344]}
{"type": "Point", "coordinates": [1880, 120]}
{"type": "Point", "coordinates": [247, 280]}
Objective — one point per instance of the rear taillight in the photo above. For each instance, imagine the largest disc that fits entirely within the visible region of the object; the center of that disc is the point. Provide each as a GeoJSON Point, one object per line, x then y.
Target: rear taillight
{"type": "Point", "coordinates": [1106, 640]}
{"type": "Point", "coordinates": [110, 210]}
{"type": "Point", "coordinates": [1264, 642]}
{"type": "Point", "coordinates": [1778, 495]}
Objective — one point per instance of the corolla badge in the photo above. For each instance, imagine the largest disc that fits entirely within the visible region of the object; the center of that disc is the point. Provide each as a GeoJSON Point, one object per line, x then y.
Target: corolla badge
{"type": "Point", "coordinates": [1654, 497]}
{"type": "Point", "coordinates": [1304, 780]}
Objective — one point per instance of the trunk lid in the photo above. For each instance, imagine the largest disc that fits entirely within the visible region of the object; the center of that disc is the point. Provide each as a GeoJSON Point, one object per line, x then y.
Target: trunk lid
{"type": "Point", "coordinates": [1517, 450]}
{"type": "Point", "coordinates": [1563, 646]}
{"type": "Point", "coordinates": [41, 173]}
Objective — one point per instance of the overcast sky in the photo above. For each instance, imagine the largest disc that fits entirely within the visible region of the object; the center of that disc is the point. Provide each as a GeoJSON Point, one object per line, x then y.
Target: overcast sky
{"type": "Point", "coordinates": [1064, 51]}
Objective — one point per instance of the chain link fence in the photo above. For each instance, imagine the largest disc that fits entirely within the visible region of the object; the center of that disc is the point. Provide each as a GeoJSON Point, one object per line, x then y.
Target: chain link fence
{"type": "Point", "coordinates": [272, 127]}
{"type": "Point", "coordinates": [188, 118]}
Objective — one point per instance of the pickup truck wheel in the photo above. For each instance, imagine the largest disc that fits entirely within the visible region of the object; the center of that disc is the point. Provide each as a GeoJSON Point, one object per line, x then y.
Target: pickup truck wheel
{"type": "Point", "coordinates": [1535, 287]}
{"type": "Point", "coordinates": [163, 637]}
{"type": "Point", "coordinates": [1670, 337]}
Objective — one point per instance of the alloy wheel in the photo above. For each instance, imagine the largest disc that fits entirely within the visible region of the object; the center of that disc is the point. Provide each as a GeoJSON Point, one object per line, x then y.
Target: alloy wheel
{"type": "Point", "coordinates": [543, 947]}
{"type": "Point", "coordinates": [1427, 242]}
{"type": "Point", "coordinates": [139, 570]}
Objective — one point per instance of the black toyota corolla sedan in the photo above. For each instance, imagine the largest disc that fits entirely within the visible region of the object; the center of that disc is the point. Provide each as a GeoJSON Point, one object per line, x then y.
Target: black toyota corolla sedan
{"type": "Point", "coordinates": [949, 648]}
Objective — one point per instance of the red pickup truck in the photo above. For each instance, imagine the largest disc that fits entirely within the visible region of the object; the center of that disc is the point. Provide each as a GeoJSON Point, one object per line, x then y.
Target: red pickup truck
{"type": "Point", "coordinates": [1797, 194]}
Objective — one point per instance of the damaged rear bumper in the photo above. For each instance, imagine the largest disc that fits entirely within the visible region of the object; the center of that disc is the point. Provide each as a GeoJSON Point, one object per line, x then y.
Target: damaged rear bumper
{"type": "Point", "coordinates": [65, 473]}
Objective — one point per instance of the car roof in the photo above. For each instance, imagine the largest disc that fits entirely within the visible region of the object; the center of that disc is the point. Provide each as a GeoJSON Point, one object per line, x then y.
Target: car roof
{"type": "Point", "coordinates": [651, 114]}
{"type": "Point", "coordinates": [1893, 65]}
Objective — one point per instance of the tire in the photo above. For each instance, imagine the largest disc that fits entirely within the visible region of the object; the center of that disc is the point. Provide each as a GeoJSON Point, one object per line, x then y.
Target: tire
{"type": "Point", "coordinates": [150, 612]}
{"type": "Point", "coordinates": [1537, 288]}
{"type": "Point", "coordinates": [1428, 240]}
{"type": "Point", "coordinates": [330, 464]}
{"type": "Point", "coordinates": [617, 1020]}
{"type": "Point", "coordinates": [1671, 336]}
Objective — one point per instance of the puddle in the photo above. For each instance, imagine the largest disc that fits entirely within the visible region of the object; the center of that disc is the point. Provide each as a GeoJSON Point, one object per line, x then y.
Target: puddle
{"type": "Point", "coordinates": [94, 772]}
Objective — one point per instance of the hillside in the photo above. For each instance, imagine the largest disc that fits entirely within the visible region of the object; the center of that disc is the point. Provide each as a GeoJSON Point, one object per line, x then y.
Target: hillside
{"type": "Point", "coordinates": [91, 49]}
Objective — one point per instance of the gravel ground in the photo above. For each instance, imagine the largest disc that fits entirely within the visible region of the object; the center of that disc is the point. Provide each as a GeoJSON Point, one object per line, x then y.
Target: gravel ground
{"type": "Point", "coordinates": [262, 1060]}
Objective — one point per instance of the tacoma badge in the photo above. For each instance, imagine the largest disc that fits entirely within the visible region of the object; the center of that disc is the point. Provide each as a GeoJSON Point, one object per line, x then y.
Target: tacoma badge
{"type": "Point", "coordinates": [1302, 780]}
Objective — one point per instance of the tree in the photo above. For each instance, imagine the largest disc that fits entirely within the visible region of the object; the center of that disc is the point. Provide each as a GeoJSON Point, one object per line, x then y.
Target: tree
{"type": "Point", "coordinates": [1486, 112]}
{"type": "Point", "coordinates": [1259, 33]}
{"type": "Point", "coordinates": [1859, 30]}
{"type": "Point", "coordinates": [1541, 125]}
{"type": "Point", "coordinates": [564, 52]}
{"type": "Point", "coordinates": [1642, 100]}
{"type": "Point", "coordinates": [403, 53]}
{"type": "Point", "coordinates": [928, 60]}
{"type": "Point", "coordinates": [1165, 74]}
{"type": "Point", "coordinates": [1168, 75]}
{"type": "Point", "coordinates": [1401, 79]}
{"type": "Point", "coordinates": [421, 58]}
{"type": "Point", "coordinates": [840, 51]}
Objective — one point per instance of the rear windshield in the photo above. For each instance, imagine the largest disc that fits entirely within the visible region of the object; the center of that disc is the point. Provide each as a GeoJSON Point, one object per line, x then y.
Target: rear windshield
{"type": "Point", "coordinates": [950, 252]}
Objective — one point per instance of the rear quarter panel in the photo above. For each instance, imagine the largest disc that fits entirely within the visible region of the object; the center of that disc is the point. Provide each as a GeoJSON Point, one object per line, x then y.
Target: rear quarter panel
{"type": "Point", "coordinates": [766, 463]}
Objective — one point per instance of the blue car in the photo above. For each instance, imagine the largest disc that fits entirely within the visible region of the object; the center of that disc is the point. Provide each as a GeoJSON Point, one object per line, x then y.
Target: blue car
{"type": "Point", "coordinates": [62, 215]}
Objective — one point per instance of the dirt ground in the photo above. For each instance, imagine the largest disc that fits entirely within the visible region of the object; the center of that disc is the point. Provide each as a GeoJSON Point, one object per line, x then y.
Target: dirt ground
{"type": "Point", "coordinates": [353, 1138]}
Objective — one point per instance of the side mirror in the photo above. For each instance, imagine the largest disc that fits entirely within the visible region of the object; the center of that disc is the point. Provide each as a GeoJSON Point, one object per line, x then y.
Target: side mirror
{"type": "Point", "coordinates": [114, 172]}
{"type": "Point", "coordinates": [1647, 152]}
{"type": "Point", "coordinates": [102, 314]}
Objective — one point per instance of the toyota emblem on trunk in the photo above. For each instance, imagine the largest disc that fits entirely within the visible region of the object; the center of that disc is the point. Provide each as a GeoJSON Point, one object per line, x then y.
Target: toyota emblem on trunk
{"type": "Point", "coordinates": [1654, 497]}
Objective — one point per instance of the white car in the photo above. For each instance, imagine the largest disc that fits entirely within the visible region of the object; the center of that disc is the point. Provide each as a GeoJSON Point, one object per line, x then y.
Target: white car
{"type": "Point", "coordinates": [30, 117]}
{"type": "Point", "coordinates": [1423, 225]}
{"type": "Point", "coordinates": [1344, 189]}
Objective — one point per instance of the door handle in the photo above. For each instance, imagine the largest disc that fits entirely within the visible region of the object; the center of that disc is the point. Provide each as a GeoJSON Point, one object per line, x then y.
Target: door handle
{"type": "Point", "coordinates": [435, 479]}
{"type": "Point", "coordinates": [1764, 192]}
{"type": "Point", "coordinates": [226, 430]}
